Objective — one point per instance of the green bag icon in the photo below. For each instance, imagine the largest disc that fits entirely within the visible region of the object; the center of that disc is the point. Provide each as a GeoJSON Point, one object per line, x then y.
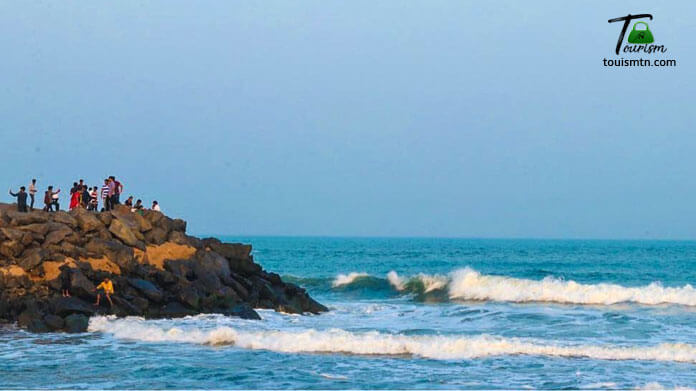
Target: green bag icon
{"type": "Point", "coordinates": [640, 36]}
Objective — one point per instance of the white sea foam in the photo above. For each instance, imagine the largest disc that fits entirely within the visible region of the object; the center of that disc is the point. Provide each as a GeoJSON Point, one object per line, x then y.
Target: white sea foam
{"type": "Point", "coordinates": [375, 343]}
{"type": "Point", "coordinates": [469, 284]}
{"type": "Point", "coordinates": [396, 281]}
{"type": "Point", "coordinates": [346, 279]}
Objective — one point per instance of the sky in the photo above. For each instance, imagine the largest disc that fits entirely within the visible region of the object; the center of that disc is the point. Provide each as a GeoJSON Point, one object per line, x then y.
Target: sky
{"type": "Point", "coordinates": [358, 118]}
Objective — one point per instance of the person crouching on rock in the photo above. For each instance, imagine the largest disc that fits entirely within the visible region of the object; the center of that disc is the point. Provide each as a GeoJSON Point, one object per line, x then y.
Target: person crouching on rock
{"type": "Point", "coordinates": [107, 288]}
{"type": "Point", "coordinates": [65, 273]}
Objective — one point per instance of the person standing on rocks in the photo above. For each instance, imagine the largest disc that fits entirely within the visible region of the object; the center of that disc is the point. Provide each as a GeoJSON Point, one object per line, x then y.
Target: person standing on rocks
{"type": "Point", "coordinates": [112, 192]}
{"type": "Point", "coordinates": [86, 197]}
{"type": "Point", "coordinates": [106, 202]}
{"type": "Point", "coordinates": [21, 199]}
{"type": "Point", "coordinates": [107, 288]}
{"type": "Point", "coordinates": [155, 206]}
{"type": "Point", "coordinates": [54, 200]}
{"type": "Point", "coordinates": [32, 193]}
{"type": "Point", "coordinates": [75, 195]}
{"type": "Point", "coordinates": [118, 189]}
{"type": "Point", "coordinates": [51, 199]}
{"type": "Point", "coordinates": [65, 274]}
{"type": "Point", "coordinates": [93, 201]}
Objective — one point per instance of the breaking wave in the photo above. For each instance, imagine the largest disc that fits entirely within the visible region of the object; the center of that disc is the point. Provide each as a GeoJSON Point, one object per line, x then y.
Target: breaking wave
{"type": "Point", "coordinates": [346, 279]}
{"type": "Point", "coordinates": [468, 284]}
{"type": "Point", "coordinates": [375, 343]}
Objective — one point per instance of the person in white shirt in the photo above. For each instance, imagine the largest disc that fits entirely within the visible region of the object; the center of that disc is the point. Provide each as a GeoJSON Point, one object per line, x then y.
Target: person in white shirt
{"type": "Point", "coordinates": [155, 206]}
{"type": "Point", "coordinates": [32, 193]}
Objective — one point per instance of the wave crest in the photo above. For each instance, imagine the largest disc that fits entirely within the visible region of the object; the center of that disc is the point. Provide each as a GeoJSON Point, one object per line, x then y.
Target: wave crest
{"type": "Point", "coordinates": [347, 279]}
{"type": "Point", "coordinates": [468, 284]}
{"type": "Point", "coordinates": [375, 343]}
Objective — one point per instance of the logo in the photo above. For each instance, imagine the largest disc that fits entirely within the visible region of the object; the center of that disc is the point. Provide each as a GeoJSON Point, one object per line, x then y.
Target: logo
{"type": "Point", "coordinates": [640, 36]}
{"type": "Point", "coordinates": [641, 39]}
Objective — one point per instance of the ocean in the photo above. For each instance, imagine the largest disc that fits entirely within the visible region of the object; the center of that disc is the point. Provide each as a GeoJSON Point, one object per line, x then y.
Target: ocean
{"type": "Point", "coordinates": [408, 313]}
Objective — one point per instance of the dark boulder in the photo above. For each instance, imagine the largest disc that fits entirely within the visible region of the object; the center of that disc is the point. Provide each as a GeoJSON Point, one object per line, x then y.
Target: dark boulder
{"type": "Point", "coordinates": [175, 310]}
{"type": "Point", "coordinates": [81, 286]}
{"type": "Point", "coordinates": [54, 322]}
{"type": "Point", "coordinates": [57, 234]}
{"type": "Point", "coordinates": [87, 221]}
{"type": "Point", "coordinates": [121, 231]}
{"type": "Point", "coordinates": [147, 288]}
{"type": "Point", "coordinates": [32, 258]}
{"type": "Point", "coordinates": [189, 296]}
{"type": "Point", "coordinates": [65, 306]}
{"type": "Point", "coordinates": [156, 236]}
{"type": "Point", "coordinates": [76, 323]}
{"type": "Point", "coordinates": [244, 311]}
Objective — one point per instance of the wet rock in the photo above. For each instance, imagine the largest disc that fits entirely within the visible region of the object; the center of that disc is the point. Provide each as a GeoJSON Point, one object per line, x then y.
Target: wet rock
{"type": "Point", "coordinates": [176, 310]}
{"type": "Point", "coordinates": [76, 323]}
{"type": "Point", "coordinates": [32, 320]}
{"type": "Point", "coordinates": [54, 322]}
{"type": "Point", "coordinates": [65, 306]}
{"type": "Point", "coordinates": [245, 311]}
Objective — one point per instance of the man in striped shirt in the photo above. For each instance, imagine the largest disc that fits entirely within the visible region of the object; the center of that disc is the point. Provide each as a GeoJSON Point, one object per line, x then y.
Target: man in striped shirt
{"type": "Point", "coordinates": [106, 202]}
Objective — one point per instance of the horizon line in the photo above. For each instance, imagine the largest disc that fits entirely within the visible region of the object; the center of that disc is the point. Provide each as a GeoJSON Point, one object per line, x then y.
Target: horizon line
{"type": "Point", "coordinates": [631, 239]}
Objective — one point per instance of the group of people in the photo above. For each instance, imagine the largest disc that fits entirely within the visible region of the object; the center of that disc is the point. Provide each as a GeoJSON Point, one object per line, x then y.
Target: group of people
{"type": "Point", "coordinates": [81, 196]}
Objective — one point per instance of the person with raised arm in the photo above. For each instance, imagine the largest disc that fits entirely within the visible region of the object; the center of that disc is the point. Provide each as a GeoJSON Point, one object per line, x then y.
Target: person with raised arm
{"type": "Point", "coordinates": [21, 199]}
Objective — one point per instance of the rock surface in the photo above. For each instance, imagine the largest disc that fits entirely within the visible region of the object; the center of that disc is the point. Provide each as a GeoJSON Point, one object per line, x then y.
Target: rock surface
{"type": "Point", "coordinates": [158, 271]}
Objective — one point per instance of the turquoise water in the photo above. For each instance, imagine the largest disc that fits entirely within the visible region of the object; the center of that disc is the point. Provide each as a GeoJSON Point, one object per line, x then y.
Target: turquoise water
{"type": "Point", "coordinates": [409, 313]}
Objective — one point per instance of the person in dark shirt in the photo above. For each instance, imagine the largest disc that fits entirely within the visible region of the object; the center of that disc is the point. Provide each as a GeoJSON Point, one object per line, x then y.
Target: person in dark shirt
{"type": "Point", "coordinates": [65, 273]}
{"type": "Point", "coordinates": [21, 199]}
{"type": "Point", "coordinates": [86, 197]}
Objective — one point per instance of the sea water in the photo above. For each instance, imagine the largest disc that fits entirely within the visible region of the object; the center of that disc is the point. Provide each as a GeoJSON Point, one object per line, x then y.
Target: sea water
{"type": "Point", "coordinates": [408, 313]}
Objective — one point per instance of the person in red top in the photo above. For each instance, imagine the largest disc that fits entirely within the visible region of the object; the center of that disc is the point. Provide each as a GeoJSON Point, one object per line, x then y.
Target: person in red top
{"type": "Point", "coordinates": [75, 198]}
{"type": "Point", "coordinates": [118, 189]}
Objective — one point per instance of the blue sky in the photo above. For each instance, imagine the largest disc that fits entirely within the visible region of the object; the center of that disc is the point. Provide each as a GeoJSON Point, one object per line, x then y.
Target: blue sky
{"type": "Point", "coordinates": [420, 118]}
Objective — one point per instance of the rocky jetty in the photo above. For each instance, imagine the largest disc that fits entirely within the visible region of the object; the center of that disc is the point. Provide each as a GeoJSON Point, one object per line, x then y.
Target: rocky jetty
{"type": "Point", "coordinates": [157, 270]}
